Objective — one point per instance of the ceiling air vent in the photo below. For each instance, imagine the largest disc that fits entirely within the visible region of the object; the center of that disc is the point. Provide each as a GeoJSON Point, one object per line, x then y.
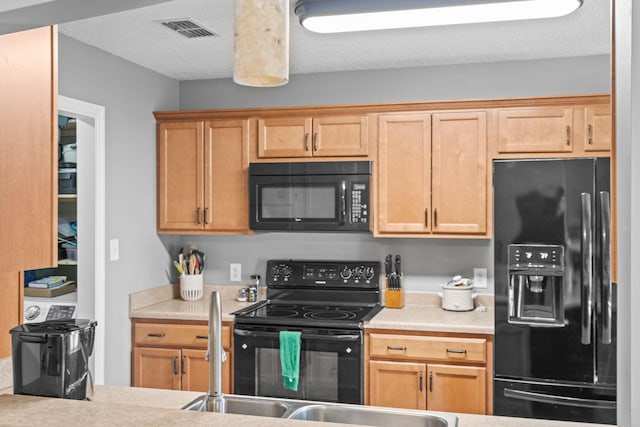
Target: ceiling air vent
{"type": "Point", "coordinates": [188, 28]}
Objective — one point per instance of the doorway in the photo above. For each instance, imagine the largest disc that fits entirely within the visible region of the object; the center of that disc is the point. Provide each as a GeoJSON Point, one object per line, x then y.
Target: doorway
{"type": "Point", "coordinates": [90, 135]}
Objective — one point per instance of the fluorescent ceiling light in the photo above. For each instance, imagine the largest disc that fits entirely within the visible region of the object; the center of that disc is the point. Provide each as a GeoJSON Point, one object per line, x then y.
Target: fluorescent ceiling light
{"type": "Point", "coordinates": [335, 16]}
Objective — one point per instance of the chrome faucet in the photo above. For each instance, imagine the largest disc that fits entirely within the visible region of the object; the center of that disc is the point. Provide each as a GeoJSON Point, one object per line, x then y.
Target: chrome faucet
{"type": "Point", "coordinates": [215, 356]}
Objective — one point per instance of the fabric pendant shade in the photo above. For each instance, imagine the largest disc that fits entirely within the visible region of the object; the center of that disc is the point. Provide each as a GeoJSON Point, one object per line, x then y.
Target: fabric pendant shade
{"type": "Point", "coordinates": [261, 43]}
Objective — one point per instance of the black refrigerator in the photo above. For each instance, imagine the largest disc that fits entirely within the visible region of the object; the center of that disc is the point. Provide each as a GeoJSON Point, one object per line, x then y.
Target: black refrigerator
{"type": "Point", "coordinates": [555, 303]}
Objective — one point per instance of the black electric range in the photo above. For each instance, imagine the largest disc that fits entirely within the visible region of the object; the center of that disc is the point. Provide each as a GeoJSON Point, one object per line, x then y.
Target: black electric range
{"type": "Point", "coordinates": [331, 294]}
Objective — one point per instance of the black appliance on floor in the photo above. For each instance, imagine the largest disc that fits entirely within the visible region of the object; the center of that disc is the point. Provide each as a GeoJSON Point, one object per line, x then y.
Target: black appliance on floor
{"type": "Point", "coordinates": [328, 302]}
{"type": "Point", "coordinates": [52, 358]}
{"type": "Point", "coordinates": [555, 304]}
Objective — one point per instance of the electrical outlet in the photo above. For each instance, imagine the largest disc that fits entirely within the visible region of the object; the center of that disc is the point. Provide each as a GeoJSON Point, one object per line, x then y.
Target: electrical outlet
{"type": "Point", "coordinates": [479, 277]}
{"type": "Point", "coordinates": [114, 249]}
{"type": "Point", "coordinates": [235, 272]}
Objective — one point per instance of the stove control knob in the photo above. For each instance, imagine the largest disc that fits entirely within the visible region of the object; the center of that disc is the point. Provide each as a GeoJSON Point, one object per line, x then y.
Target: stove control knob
{"type": "Point", "coordinates": [345, 273]}
{"type": "Point", "coordinates": [358, 272]}
{"type": "Point", "coordinates": [369, 272]}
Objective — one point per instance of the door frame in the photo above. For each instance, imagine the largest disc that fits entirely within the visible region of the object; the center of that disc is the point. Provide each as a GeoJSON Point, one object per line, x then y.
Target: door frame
{"type": "Point", "coordinates": [96, 114]}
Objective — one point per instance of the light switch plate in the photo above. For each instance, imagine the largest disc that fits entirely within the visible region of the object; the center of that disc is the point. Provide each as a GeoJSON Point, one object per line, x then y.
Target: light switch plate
{"type": "Point", "coordinates": [235, 272]}
{"type": "Point", "coordinates": [114, 249]}
{"type": "Point", "coordinates": [479, 277]}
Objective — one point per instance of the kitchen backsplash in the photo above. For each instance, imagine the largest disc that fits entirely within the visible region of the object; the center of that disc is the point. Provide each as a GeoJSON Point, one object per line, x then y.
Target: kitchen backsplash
{"type": "Point", "coordinates": [427, 263]}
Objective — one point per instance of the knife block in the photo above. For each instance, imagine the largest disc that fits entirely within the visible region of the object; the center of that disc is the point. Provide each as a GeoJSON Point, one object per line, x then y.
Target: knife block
{"type": "Point", "coordinates": [394, 298]}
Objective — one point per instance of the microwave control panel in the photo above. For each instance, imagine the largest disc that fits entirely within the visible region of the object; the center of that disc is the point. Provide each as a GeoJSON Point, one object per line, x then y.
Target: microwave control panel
{"type": "Point", "coordinates": [359, 203]}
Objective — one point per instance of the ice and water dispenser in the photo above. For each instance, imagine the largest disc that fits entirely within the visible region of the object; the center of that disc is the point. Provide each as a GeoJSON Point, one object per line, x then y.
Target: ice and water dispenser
{"type": "Point", "coordinates": [536, 276]}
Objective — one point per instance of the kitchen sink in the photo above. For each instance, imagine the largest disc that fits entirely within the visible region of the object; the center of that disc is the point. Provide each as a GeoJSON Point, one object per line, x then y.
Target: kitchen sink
{"type": "Point", "coordinates": [245, 405]}
{"type": "Point", "coordinates": [328, 412]}
{"type": "Point", "coordinates": [372, 416]}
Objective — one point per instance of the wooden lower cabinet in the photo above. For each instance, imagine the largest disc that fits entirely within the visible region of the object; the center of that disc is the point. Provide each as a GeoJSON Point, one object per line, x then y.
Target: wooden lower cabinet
{"type": "Point", "coordinates": [397, 384]}
{"type": "Point", "coordinates": [162, 357]}
{"type": "Point", "coordinates": [430, 372]}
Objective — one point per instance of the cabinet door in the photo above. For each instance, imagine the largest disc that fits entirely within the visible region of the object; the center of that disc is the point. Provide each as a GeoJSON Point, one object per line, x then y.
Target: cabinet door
{"type": "Point", "coordinates": [226, 175]}
{"type": "Point", "coordinates": [284, 137]}
{"type": "Point", "coordinates": [457, 389]}
{"type": "Point", "coordinates": [597, 128]}
{"type": "Point", "coordinates": [404, 173]}
{"type": "Point", "coordinates": [180, 175]}
{"type": "Point", "coordinates": [156, 368]}
{"type": "Point", "coordinates": [11, 309]}
{"type": "Point", "coordinates": [397, 384]}
{"type": "Point", "coordinates": [459, 173]}
{"type": "Point", "coordinates": [535, 130]}
{"type": "Point", "coordinates": [340, 136]}
{"type": "Point", "coordinates": [195, 371]}
{"type": "Point", "coordinates": [28, 149]}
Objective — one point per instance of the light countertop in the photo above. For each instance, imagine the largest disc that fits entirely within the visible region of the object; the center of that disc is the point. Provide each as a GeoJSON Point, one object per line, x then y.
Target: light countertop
{"type": "Point", "coordinates": [124, 406]}
{"type": "Point", "coordinates": [421, 313]}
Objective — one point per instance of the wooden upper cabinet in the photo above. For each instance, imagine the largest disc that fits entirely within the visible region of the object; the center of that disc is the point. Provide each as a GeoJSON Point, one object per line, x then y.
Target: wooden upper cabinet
{"type": "Point", "coordinates": [459, 173]}
{"type": "Point", "coordinates": [598, 132]}
{"type": "Point", "coordinates": [284, 137]}
{"type": "Point", "coordinates": [300, 137]}
{"type": "Point", "coordinates": [535, 130]}
{"type": "Point", "coordinates": [226, 175]}
{"type": "Point", "coordinates": [404, 173]}
{"type": "Point", "coordinates": [180, 175]}
{"type": "Point", "coordinates": [29, 149]}
{"type": "Point", "coordinates": [432, 174]}
{"type": "Point", "coordinates": [202, 176]}
{"type": "Point", "coordinates": [340, 136]}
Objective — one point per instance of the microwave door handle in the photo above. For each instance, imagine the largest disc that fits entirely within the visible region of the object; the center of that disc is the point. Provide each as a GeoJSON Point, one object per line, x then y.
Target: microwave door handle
{"type": "Point", "coordinates": [343, 202]}
{"type": "Point", "coordinates": [586, 246]}
{"type": "Point", "coordinates": [606, 286]}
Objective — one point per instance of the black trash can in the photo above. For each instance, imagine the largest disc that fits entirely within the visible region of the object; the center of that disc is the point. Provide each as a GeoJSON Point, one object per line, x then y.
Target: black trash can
{"type": "Point", "coordinates": [52, 358]}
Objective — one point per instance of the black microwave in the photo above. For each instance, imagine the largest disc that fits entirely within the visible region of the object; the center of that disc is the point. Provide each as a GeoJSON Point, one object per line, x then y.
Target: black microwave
{"type": "Point", "coordinates": [310, 196]}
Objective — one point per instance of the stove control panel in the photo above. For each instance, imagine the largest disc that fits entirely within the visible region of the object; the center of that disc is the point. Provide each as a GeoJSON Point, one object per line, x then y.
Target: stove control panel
{"type": "Point", "coordinates": [341, 274]}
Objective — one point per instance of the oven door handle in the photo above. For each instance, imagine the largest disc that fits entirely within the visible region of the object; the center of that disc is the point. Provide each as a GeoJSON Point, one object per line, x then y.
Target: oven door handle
{"type": "Point", "coordinates": [341, 337]}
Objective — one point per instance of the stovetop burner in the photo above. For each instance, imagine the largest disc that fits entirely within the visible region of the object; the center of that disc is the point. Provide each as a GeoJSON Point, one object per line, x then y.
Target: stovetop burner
{"type": "Point", "coordinates": [313, 293]}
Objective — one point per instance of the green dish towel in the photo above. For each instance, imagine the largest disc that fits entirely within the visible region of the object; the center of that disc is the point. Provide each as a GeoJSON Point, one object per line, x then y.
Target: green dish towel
{"type": "Point", "coordinates": [290, 358]}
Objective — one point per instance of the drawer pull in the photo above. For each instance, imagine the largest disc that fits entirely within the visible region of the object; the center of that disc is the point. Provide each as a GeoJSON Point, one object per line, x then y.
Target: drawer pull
{"type": "Point", "coordinates": [202, 337]}
{"type": "Point", "coordinates": [431, 382]}
{"type": "Point", "coordinates": [452, 350]}
{"type": "Point", "coordinates": [421, 378]}
{"type": "Point", "coordinates": [398, 348]}
{"type": "Point", "coordinates": [183, 364]}
{"type": "Point", "coordinates": [175, 365]}
{"type": "Point", "coordinates": [160, 335]}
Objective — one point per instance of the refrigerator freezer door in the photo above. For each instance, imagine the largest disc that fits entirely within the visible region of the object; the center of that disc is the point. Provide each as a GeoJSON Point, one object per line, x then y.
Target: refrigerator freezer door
{"type": "Point", "coordinates": [555, 402]}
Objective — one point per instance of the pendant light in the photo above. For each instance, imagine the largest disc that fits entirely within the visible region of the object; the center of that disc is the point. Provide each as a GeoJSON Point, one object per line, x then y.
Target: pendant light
{"type": "Point", "coordinates": [333, 16]}
{"type": "Point", "coordinates": [261, 57]}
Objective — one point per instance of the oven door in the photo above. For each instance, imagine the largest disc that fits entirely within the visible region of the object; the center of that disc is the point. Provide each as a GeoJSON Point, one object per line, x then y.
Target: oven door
{"type": "Point", "coordinates": [331, 365]}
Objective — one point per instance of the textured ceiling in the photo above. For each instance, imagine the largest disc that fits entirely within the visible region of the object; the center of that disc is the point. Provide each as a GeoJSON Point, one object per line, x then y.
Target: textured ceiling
{"type": "Point", "coordinates": [137, 36]}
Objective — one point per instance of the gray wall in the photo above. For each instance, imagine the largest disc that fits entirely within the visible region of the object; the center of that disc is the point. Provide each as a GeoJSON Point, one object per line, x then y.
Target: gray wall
{"type": "Point", "coordinates": [589, 74]}
{"type": "Point", "coordinates": [428, 263]}
{"type": "Point", "coordinates": [129, 93]}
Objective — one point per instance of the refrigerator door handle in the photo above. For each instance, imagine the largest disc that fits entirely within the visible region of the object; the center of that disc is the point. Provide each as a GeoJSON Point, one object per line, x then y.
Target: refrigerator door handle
{"type": "Point", "coordinates": [606, 301]}
{"type": "Point", "coordinates": [511, 302]}
{"type": "Point", "coordinates": [559, 400]}
{"type": "Point", "coordinates": [586, 246]}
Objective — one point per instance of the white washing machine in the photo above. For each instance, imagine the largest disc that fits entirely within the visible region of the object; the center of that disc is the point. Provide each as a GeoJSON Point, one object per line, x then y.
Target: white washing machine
{"type": "Point", "coordinates": [62, 307]}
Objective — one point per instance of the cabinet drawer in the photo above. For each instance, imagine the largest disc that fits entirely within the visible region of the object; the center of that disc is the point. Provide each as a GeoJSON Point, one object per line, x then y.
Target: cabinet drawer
{"type": "Point", "coordinates": [428, 348]}
{"type": "Point", "coordinates": [163, 334]}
